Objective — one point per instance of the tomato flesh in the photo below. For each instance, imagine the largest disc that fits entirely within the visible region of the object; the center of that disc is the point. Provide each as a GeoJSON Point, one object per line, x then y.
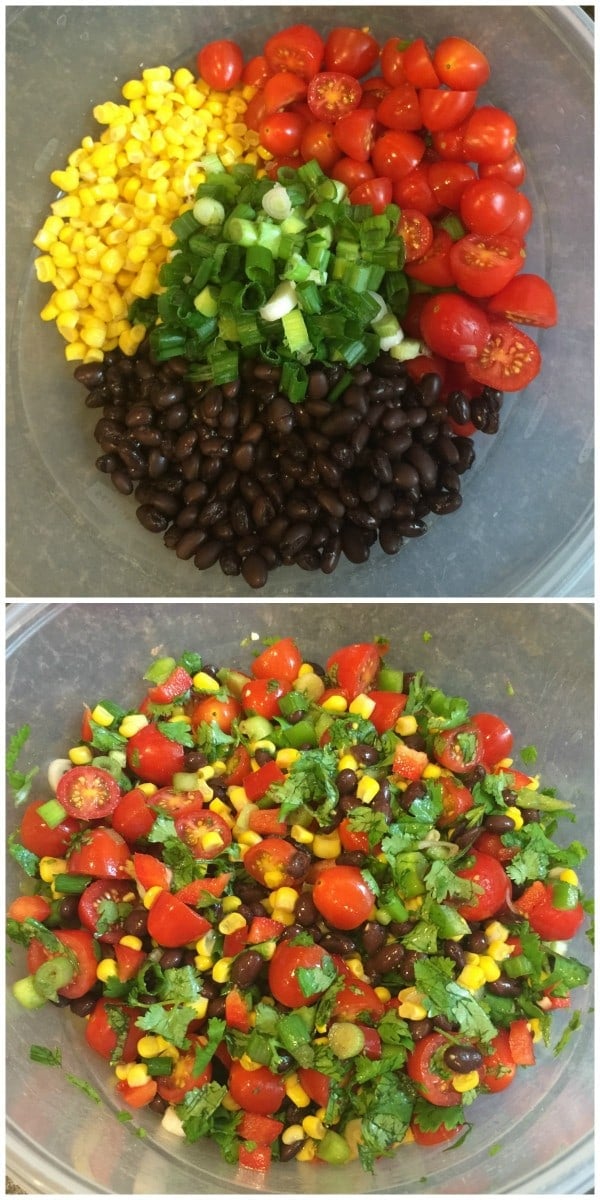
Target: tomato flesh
{"type": "Point", "coordinates": [88, 792]}
{"type": "Point", "coordinates": [509, 360]}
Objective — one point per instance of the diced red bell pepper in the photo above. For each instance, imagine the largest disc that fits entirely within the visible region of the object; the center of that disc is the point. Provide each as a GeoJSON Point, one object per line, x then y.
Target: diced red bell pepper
{"type": "Point", "coordinates": [86, 726]}
{"type": "Point", "coordinates": [530, 899]}
{"type": "Point", "coordinates": [266, 820]}
{"type": "Point", "coordinates": [257, 784]}
{"type": "Point", "coordinates": [521, 1044]}
{"type": "Point", "coordinates": [254, 1127]}
{"type": "Point", "coordinates": [237, 1015]}
{"type": "Point", "coordinates": [129, 961]}
{"type": "Point", "coordinates": [233, 943]}
{"type": "Point", "coordinates": [258, 1159]}
{"type": "Point", "coordinates": [150, 872]}
{"type": "Point", "coordinates": [176, 685]}
{"type": "Point", "coordinates": [557, 1001]}
{"type": "Point", "coordinates": [409, 763]}
{"type": "Point", "coordinates": [263, 929]}
{"type": "Point", "coordinates": [192, 892]}
{"type": "Point", "coordinates": [315, 1084]}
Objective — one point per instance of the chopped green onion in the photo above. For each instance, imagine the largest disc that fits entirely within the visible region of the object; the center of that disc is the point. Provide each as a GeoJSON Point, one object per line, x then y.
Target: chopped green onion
{"type": "Point", "coordinates": [208, 211]}
{"type": "Point", "coordinates": [52, 813]}
{"type": "Point", "coordinates": [72, 885]}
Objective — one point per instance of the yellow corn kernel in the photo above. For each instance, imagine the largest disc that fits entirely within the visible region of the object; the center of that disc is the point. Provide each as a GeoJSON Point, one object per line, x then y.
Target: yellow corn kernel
{"type": "Point", "coordinates": [569, 876]}
{"type": "Point", "coordinates": [307, 1152]}
{"type": "Point", "coordinates": [412, 904]}
{"type": "Point", "coordinates": [132, 724]}
{"type": "Point", "coordinates": [149, 1046]}
{"type": "Point", "coordinates": [411, 1012]}
{"type": "Point", "coordinates": [80, 755]}
{"type": "Point", "coordinates": [326, 845]}
{"type": "Point", "coordinates": [498, 950]}
{"type": "Point", "coordinates": [102, 716]}
{"type": "Point", "coordinates": [151, 896]}
{"type": "Point", "coordinates": [466, 1082]}
{"type": "Point", "coordinates": [222, 970]}
{"type": "Point", "coordinates": [274, 879]}
{"type": "Point", "coordinates": [45, 268]}
{"type": "Point", "coordinates": [383, 993]}
{"type": "Point", "coordinates": [211, 840]}
{"type": "Point", "coordinates": [355, 965]}
{"type": "Point", "coordinates": [50, 867]}
{"type": "Point", "coordinates": [229, 1103]}
{"type": "Point", "coordinates": [367, 789]}
{"type": "Point", "coordinates": [74, 351]}
{"type": "Point", "coordinates": [535, 1028]}
{"type": "Point", "coordinates": [406, 726]}
{"type": "Point", "coordinates": [230, 903]}
{"type": "Point", "coordinates": [249, 1064]}
{"type": "Point", "coordinates": [203, 682]}
{"type": "Point", "coordinates": [362, 706]}
{"type": "Point", "coordinates": [206, 944]}
{"type": "Point", "coordinates": [490, 968]}
{"type": "Point", "coordinates": [432, 771]}
{"type": "Point", "coordinates": [471, 958]}
{"type": "Point", "coordinates": [283, 916]}
{"type": "Point", "coordinates": [149, 789]}
{"type": "Point", "coordinates": [515, 814]}
{"type": "Point", "coordinates": [295, 1092]}
{"type": "Point", "coordinates": [293, 1133]}
{"type": "Point", "coordinates": [314, 1127]}
{"type": "Point", "coordinates": [302, 835]}
{"type": "Point", "coordinates": [250, 838]}
{"type": "Point", "coordinates": [67, 180]}
{"type": "Point", "coordinates": [217, 806]}
{"type": "Point", "coordinates": [106, 969]}
{"type": "Point", "coordinates": [286, 898]}
{"type": "Point", "coordinates": [287, 756]}
{"type": "Point", "coordinates": [268, 950]}
{"type": "Point", "coordinates": [137, 1075]}
{"type": "Point", "coordinates": [200, 1007]}
{"type": "Point", "coordinates": [49, 312]}
{"type": "Point", "coordinates": [305, 669]}
{"type": "Point", "coordinates": [132, 942]}
{"type": "Point", "coordinates": [472, 978]}
{"type": "Point", "coordinates": [121, 1070]}
{"type": "Point", "coordinates": [232, 922]}
{"type": "Point", "coordinates": [348, 762]}
{"type": "Point", "coordinates": [335, 704]}
{"type": "Point", "coordinates": [203, 962]}
{"type": "Point", "coordinates": [496, 931]}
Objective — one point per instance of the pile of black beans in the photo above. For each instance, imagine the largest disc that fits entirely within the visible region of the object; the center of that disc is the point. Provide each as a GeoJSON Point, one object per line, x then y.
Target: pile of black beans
{"type": "Point", "coordinates": [239, 476]}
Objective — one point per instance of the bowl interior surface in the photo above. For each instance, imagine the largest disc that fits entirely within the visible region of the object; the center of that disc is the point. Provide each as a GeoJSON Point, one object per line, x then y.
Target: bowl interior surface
{"type": "Point", "coordinates": [532, 665]}
{"type": "Point", "coordinates": [525, 526]}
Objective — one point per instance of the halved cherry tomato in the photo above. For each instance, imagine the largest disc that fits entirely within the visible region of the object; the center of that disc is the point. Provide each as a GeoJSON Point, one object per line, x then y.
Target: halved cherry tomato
{"type": "Point", "coordinates": [526, 300]}
{"type": "Point", "coordinates": [100, 1035]}
{"type": "Point", "coordinates": [553, 923]}
{"type": "Point", "coordinates": [182, 1079]}
{"type": "Point", "coordinates": [262, 696]}
{"type": "Point", "coordinates": [257, 783]}
{"type": "Point", "coordinates": [81, 943]}
{"type": "Point", "coordinates": [488, 206]}
{"type": "Point", "coordinates": [343, 897]}
{"type": "Point", "coordinates": [448, 180]}
{"type": "Point", "coordinates": [350, 50]}
{"type": "Point", "coordinates": [40, 838]}
{"type": "Point", "coordinates": [497, 738]}
{"type": "Point", "coordinates": [456, 800]}
{"type": "Point", "coordinates": [299, 49]}
{"type": "Point", "coordinates": [281, 90]}
{"type": "Point", "coordinates": [256, 71]}
{"type": "Point", "coordinates": [98, 902]}
{"type": "Point", "coordinates": [434, 268]}
{"type": "Point", "coordinates": [392, 61]}
{"type": "Point", "coordinates": [282, 661]}
{"type": "Point", "coordinates": [352, 173]}
{"type": "Point", "coordinates": [355, 133]}
{"type": "Point", "coordinates": [375, 89]}
{"type": "Point", "coordinates": [416, 232]}
{"type": "Point", "coordinates": [354, 668]}
{"type": "Point", "coordinates": [221, 64]}
{"type": "Point", "coordinates": [499, 1068]}
{"type": "Point", "coordinates": [88, 792]}
{"type": "Point", "coordinates": [154, 757]}
{"type": "Point", "coordinates": [101, 852]}
{"type": "Point", "coordinates": [194, 892]}
{"type": "Point", "coordinates": [431, 1085]}
{"type": "Point", "coordinates": [204, 832]}
{"type": "Point", "coordinates": [172, 923]}
{"type": "Point", "coordinates": [509, 360]}
{"type": "Point", "coordinates": [400, 109]}
{"type": "Point", "coordinates": [150, 871]}
{"type": "Point", "coordinates": [173, 803]}
{"type": "Point", "coordinates": [408, 763]}
{"type": "Point", "coordinates": [490, 135]}
{"type": "Point", "coordinates": [259, 1091]}
{"type": "Point", "coordinates": [520, 223]}
{"type": "Point", "coordinates": [238, 766]}
{"type": "Point", "coordinates": [332, 94]}
{"type": "Point", "coordinates": [29, 906]}
{"type": "Point", "coordinates": [376, 192]}
{"type": "Point", "coordinates": [396, 152]}
{"type": "Point", "coordinates": [512, 170]}
{"type": "Point", "coordinates": [444, 110]}
{"type": "Point", "coordinates": [357, 1001]}
{"type": "Point", "coordinates": [267, 860]}
{"type": "Point", "coordinates": [284, 982]}
{"type": "Point", "coordinates": [482, 265]}
{"type": "Point", "coordinates": [433, 1137]}
{"type": "Point", "coordinates": [132, 817]}
{"type": "Point", "coordinates": [318, 142]}
{"type": "Point", "coordinates": [352, 839]}
{"type": "Point", "coordinates": [492, 844]}
{"type": "Point", "coordinates": [415, 192]}
{"type": "Point", "coordinates": [221, 709]}
{"type": "Point", "coordinates": [388, 707]}
{"type": "Point", "coordinates": [237, 1012]}
{"type": "Point", "coordinates": [255, 111]}
{"type": "Point", "coordinates": [418, 65]}
{"type": "Point", "coordinates": [454, 326]}
{"type": "Point", "coordinates": [460, 749]}
{"type": "Point", "coordinates": [449, 144]}
{"type": "Point", "coordinates": [459, 64]}
{"type": "Point", "coordinates": [281, 132]}
{"type": "Point", "coordinates": [492, 880]}
{"type": "Point", "coordinates": [137, 1097]}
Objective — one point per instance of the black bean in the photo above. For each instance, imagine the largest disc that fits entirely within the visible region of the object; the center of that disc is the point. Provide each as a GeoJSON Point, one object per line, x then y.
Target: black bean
{"type": "Point", "coordinates": [387, 959]}
{"type": "Point", "coordinates": [136, 923]}
{"type": "Point", "coordinates": [354, 545]}
{"type": "Point", "coordinates": [289, 1150]}
{"type": "Point", "coordinates": [346, 781]}
{"type": "Point", "coordinates": [255, 570]}
{"type": "Point", "coordinates": [68, 911]}
{"type": "Point", "coordinates": [151, 519]}
{"type": "Point", "coordinates": [338, 943]}
{"type": "Point", "coordinates": [171, 958]}
{"type": "Point", "coordinates": [373, 937]}
{"type": "Point", "coordinates": [499, 823]}
{"type": "Point", "coordinates": [84, 1005]}
{"type": "Point", "coordinates": [207, 555]}
{"type": "Point", "coordinates": [463, 1059]}
{"type": "Point", "coordinates": [246, 968]}
{"type": "Point", "coordinates": [504, 987]}
{"type": "Point", "coordinates": [190, 542]}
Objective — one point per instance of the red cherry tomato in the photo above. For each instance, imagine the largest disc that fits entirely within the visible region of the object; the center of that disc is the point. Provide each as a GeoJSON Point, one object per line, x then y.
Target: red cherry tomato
{"type": "Point", "coordinates": [416, 232]}
{"type": "Point", "coordinates": [318, 142]}
{"type": "Point", "coordinates": [221, 64]}
{"type": "Point", "coordinates": [262, 696]}
{"type": "Point", "coordinates": [493, 881]}
{"type": "Point", "coordinates": [281, 132]}
{"type": "Point", "coordinates": [509, 361]}
{"type": "Point", "coordinates": [526, 300]}
{"type": "Point", "coordinates": [350, 50]}
{"type": "Point", "coordinates": [282, 90]}
{"type": "Point", "coordinates": [434, 267]}
{"type": "Point", "coordinates": [418, 65]}
{"type": "Point", "coordinates": [456, 800]}
{"type": "Point", "coordinates": [267, 860]}
{"type": "Point", "coordinates": [25, 907]}
{"type": "Point", "coordinates": [101, 852]}
{"type": "Point", "coordinates": [287, 983]}
{"type": "Point", "coordinates": [376, 192]}
{"type": "Point", "coordinates": [433, 1137]}
{"type": "Point", "coordinates": [137, 1097]}
{"type": "Point", "coordinates": [40, 838]}
{"type": "Point", "coordinates": [255, 111]}
{"type": "Point", "coordinates": [343, 897]}
{"type": "Point", "coordinates": [223, 710]}
{"type": "Point", "coordinates": [496, 735]}
{"type": "Point", "coordinates": [392, 61]}
{"type": "Point", "coordinates": [298, 49]}
{"type": "Point", "coordinates": [205, 833]}
{"type": "Point", "coordinates": [396, 152]}
{"type": "Point", "coordinates": [258, 1091]}
{"type": "Point", "coordinates": [357, 1000]}
{"type": "Point", "coordinates": [182, 1079]}
{"type": "Point", "coordinates": [432, 1086]}
{"type": "Point", "coordinates": [454, 326]}
{"type": "Point", "coordinates": [521, 223]}
{"type": "Point", "coordinates": [355, 134]}
{"type": "Point", "coordinates": [352, 173]}
{"type": "Point", "coordinates": [512, 170]}
{"type": "Point", "coordinates": [332, 94]}
{"type": "Point", "coordinates": [459, 64]}
{"type": "Point", "coordinates": [499, 1067]}
{"type": "Point", "coordinates": [488, 206]}
{"type": "Point", "coordinates": [238, 766]}
{"type": "Point", "coordinates": [354, 668]}
{"type": "Point", "coordinates": [99, 898]}
{"type": "Point", "coordinates": [553, 923]}
{"type": "Point", "coordinates": [256, 71]}
{"type": "Point", "coordinates": [400, 109]}
{"type": "Point", "coordinates": [449, 144]}
{"type": "Point", "coordinates": [177, 684]}
{"type": "Point", "coordinates": [315, 1084]}
{"type": "Point", "coordinates": [282, 660]}
{"type": "Point", "coordinates": [81, 943]}
{"type": "Point", "coordinates": [448, 181]}
{"type": "Point", "coordinates": [352, 839]}
{"type": "Point", "coordinates": [154, 757]}
{"type": "Point", "coordinates": [102, 1037]}
{"type": "Point", "coordinates": [414, 191]}
{"type": "Point", "coordinates": [388, 707]}
{"type": "Point", "coordinates": [374, 91]}
{"type": "Point", "coordinates": [444, 110]}
{"type": "Point", "coordinates": [132, 817]}
{"type": "Point", "coordinates": [492, 844]}
{"type": "Point", "coordinates": [88, 792]}
{"type": "Point", "coordinates": [172, 923]}
{"type": "Point", "coordinates": [482, 265]}
{"type": "Point", "coordinates": [460, 749]}
{"type": "Point", "coordinates": [490, 135]}
{"type": "Point", "coordinates": [173, 803]}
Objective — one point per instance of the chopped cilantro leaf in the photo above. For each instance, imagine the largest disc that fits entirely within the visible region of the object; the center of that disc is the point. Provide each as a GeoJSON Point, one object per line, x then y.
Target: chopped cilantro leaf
{"type": "Point", "coordinates": [215, 1032]}
{"type": "Point", "coordinates": [574, 1024]}
{"type": "Point", "coordinates": [529, 754]}
{"type": "Point", "coordinates": [110, 912]}
{"type": "Point", "coordinates": [177, 731]}
{"type": "Point", "coordinates": [85, 1087]}
{"type": "Point", "coordinates": [104, 739]}
{"type": "Point", "coordinates": [442, 882]}
{"type": "Point", "coordinates": [365, 820]}
{"type": "Point", "coordinates": [171, 1023]}
{"type": "Point", "coordinates": [313, 980]}
{"type": "Point", "coordinates": [190, 661]}
{"type": "Point", "coordinates": [18, 781]}
{"type": "Point", "coordinates": [119, 1023]}
{"type": "Point", "coordinates": [431, 1117]}
{"type": "Point", "coordinates": [27, 860]}
{"type": "Point", "coordinates": [48, 1058]}
{"type": "Point", "coordinates": [212, 741]}
{"type": "Point", "coordinates": [198, 1109]}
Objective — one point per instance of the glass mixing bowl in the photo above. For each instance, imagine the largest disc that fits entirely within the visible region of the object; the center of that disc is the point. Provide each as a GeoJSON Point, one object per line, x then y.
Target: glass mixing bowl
{"type": "Point", "coordinates": [535, 1138]}
{"type": "Point", "coordinates": [525, 527]}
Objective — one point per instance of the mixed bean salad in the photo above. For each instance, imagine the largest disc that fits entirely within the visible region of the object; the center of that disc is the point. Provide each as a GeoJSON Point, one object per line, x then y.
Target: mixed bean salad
{"type": "Point", "coordinates": [271, 267]}
{"type": "Point", "coordinates": [311, 911]}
